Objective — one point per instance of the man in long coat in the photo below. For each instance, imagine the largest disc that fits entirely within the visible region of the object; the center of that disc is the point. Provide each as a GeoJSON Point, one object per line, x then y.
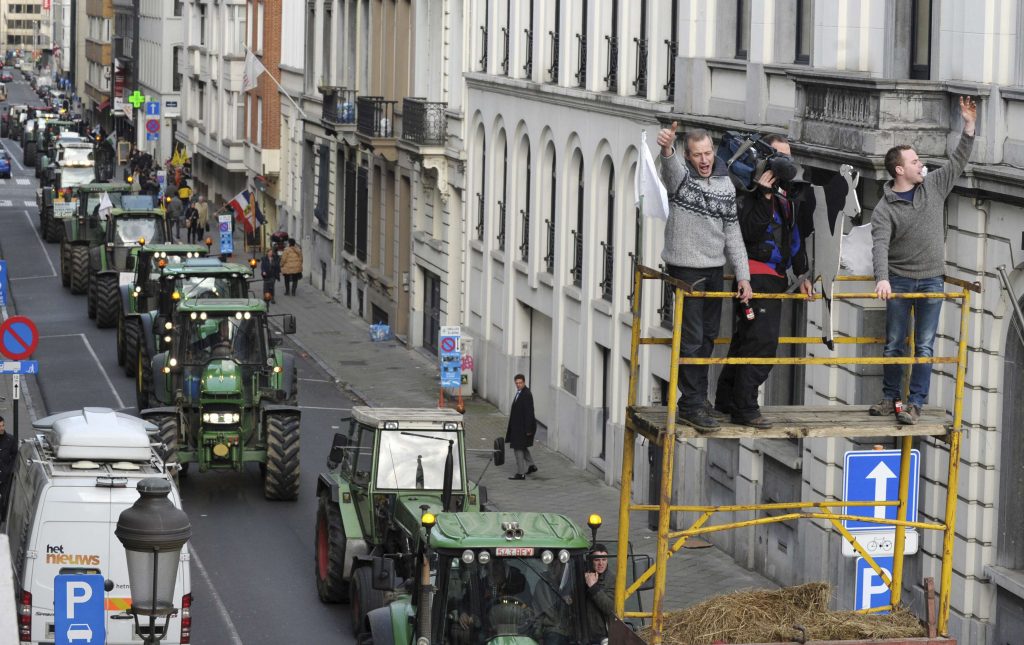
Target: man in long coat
{"type": "Point", "coordinates": [522, 426]}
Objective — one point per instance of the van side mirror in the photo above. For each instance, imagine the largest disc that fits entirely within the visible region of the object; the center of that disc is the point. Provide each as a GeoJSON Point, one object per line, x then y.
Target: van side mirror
{"type": "Point", "coordinates": [383, 574]}
{"type": "Point", "coordinates": [338, 447]}
{"type": "Point", "coordinates": [499, 452]}
{"type": "Point", "coordinates": [288, 324]}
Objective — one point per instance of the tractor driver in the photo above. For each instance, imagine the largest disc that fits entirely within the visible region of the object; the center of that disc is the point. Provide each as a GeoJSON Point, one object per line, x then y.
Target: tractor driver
{"type": "Point", "coordinates": [221, 346]}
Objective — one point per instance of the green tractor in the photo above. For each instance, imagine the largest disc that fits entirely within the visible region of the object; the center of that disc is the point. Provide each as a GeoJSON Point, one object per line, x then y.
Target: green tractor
{"type": "Point", "coordinates": [227, 393]}
{"type": "Point", "coordinates": [149, 302]}
{"type": "Point", "coordinates": [390, 466]}
{"type": "Point", "coordinates": [53, 131]}
{"type": "Point", "coordinates": [32, 136]}
{"type": "Point", "coordinates": [72, 166]}
{"type": "Point", "coordinates": [84, 228]}
{"type": "Point", "coordinates": [125, 231]}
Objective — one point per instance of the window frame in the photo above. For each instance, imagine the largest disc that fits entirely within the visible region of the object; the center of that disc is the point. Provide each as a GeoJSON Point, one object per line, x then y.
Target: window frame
{"type": "Point", "coordinates": [920, 71]}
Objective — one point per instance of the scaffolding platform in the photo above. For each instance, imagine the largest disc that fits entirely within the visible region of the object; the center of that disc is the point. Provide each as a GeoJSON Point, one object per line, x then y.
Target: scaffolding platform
{"type": "Point", "coordinates": [796, 422]}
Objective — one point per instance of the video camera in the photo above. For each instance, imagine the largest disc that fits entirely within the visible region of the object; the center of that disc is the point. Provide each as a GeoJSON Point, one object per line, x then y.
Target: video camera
{"type": "Point", "coordinates": [748, 156]}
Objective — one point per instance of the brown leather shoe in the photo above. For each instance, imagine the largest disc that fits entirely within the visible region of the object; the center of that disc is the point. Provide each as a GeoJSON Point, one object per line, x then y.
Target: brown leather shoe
{"type": "Point", "coordinates": [761, 423]}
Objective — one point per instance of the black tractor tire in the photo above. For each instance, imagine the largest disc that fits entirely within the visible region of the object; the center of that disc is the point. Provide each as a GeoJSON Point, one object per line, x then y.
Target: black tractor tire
{"type": "Point", "coordinates": [65, 264]}
{"type": "Point", "coordinates": [132, 335]}
{"type": "Point", "coordinates": [329, 549]}
{"type": "Point", "coordinates": [108, 301]}
{"type": "Point", "coordinates": [90, 298]}
{"type": "Point", "coordinates": [29, 156]}
{"type": "Point", "coordinates": [120, 338]}
{"type": "Point", "coordinates": [293, 392]}
{"type": "Point", "coordinates": [281, 479]}
{"type": "Point", "coordinates": [143, 377]}
{"type": "Point", "coordinates": [53, 229]}
{"type": "Point", "coordinates": [364, 598]}
{"type": "Point", "coordinates": [166, 435]}
{"type": "Point", "coordinates": [79, 269]}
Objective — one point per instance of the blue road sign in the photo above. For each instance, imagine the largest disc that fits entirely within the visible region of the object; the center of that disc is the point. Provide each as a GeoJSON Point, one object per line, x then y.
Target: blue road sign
{"type": "Point", "coordinates": [874, 476]}
{"type": "Point", "coordinates": [227, 245]}
{"type": "Point", "coordinates": [450, 354]}
{"type": "Point", "coordinates": [152, 108]}
{"type": "Point", "coordinates": [871, 590]}
{"type": "Point", "coordinates": [19, 367]}
{"type": "Point", "coordinates": [79, 616]}
{"type": "Point", "coordinates": [3, 283]}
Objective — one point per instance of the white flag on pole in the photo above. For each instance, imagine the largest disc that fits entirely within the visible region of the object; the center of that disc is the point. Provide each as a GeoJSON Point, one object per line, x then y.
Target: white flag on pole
{"type": "Point", "coordinates": [648, 185]}
{"type": "Point", "coordinates": [105, 206]}
{"type": "Point", "coordinates": [253, 68]}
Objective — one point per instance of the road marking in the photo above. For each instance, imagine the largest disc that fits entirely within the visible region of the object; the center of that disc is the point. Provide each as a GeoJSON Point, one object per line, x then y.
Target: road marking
{"type": "Point", "coordinates": [31, 277]}
{"type": "Point", "coordinates": [222, 610]}
{"type": "Point", "coordinates": [45, 253]}
{"type": "Point", "coordinates": [314, 407]}
{"type": "Point", "coordinates": [6, 203]}
{"type": "Point", "coordinates": [13, 158]}
{"type": "Point", "coordinates": [315, 380]}
{"type": "Point", "coordinates": [30, 203]}
{"type": "Point", "coordinates": [96, 358]}
{"type": "Point", "coordinates": [23, 182]}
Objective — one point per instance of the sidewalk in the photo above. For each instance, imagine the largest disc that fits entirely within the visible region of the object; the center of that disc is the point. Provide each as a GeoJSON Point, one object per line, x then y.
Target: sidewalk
{"type": "Point", "coordinates": [389, 374]}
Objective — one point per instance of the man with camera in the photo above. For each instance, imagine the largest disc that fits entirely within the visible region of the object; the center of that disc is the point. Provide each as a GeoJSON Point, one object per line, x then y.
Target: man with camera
{"type": "Point", "coordinates": [769, 212]}
{"type": "Point", "coordinates": [702, 230]}
{"type": "Point", "coordinates": [908, 236]}
{"type": "Point", "coordinates": [600, 593]}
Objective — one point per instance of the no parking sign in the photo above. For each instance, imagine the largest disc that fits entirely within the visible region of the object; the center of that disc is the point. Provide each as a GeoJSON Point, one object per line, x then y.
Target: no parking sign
{"type": "Point", "coordinates": [227, 245]}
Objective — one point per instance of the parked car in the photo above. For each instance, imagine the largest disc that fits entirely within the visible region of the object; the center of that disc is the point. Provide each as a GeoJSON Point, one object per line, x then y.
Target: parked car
{"type": "Point", "coordinates": [5, 164]}
{"type": "Point", "coordinates": [6, 77]}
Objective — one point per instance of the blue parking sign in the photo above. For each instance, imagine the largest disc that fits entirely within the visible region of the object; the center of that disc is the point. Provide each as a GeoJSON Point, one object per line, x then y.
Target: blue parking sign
{"type": "Point", "coordinates": [79, 616]}
{"type": "Point", "coordinates": [3, 283]}
{"type": "Point", "coordinates": [870, 588]}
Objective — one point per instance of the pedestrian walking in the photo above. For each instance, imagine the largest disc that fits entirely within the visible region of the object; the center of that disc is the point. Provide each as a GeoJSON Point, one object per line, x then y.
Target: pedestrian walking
{"type": "Point", "coordinates": [908, 235]}
{"type": "Point", "coordinates": [203, 208]}
{"type": "Point", "coordinates": [192, 223]}
{"type": "Point", "coordinates": [175, 214]}
{"type": "Point", "coordinates": [291, 267]}
{"type": "Point", "coordinates": [522, 426]}
{"type": "Point", "coordinates": [270, 269]}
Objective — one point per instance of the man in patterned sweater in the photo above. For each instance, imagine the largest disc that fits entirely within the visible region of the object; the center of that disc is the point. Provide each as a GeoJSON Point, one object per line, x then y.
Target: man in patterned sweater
{"type": "Point", "coordinates": [702, 231]}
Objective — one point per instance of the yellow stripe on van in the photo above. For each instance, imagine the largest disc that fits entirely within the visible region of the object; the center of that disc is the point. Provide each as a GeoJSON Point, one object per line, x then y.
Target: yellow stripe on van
{"type": "Point", "coordinates": [117, 604]}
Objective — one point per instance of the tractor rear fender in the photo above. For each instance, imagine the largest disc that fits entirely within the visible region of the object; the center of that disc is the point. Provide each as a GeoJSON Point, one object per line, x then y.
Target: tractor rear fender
{"type": "Point", "coordinates": [107, 272]}
{"type": "Point", "coordinates": [159, 378]}
{"type": "Point", "coordinates": [274, 407]}
{"type": "Point", "coordinates": [380, 625]}
{"type": "Point", "coordinates": [126, 298]}
{"type": "Point", "coordinates": [146, 319]}
{"type": "Point", "coordinates": [162, 410]}
{"type": "Point", "coordinates": [356, 548]}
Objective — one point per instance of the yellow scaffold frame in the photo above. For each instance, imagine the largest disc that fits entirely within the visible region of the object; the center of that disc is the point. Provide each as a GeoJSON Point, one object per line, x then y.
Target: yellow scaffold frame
{"type": "Point", "coordinates": [670, 542]}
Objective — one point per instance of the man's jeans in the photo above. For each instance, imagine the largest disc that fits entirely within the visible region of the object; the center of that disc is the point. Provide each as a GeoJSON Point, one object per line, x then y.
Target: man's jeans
{"type": "Point", "coordinates": [702, 318]}
{"type": "Point", "coordinates": [897, 326]}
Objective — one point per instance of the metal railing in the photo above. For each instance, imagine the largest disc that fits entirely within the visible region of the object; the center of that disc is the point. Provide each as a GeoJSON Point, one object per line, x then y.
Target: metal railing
{"type": "Point", "coordinates": [504, 55]}
{"type": "Point", "coordinates": [375, 117]}
{"type": "Point", "coordinates": [424, 122]}
{"type": "Point", "coordinates": [608, 279]}
{"type": "Point", "coordinates": [483, 59]}
{"type": "Point", "coordinates": [480, 216]}
{"type": "Point", "coordinates": [640, 82]}
{"type": "Point", "coordinates": [670, 82]}
{"type": "Point", "coordinates": [577, 260]}
{"type": "Point", "coordinates": [611, 77]}
{"type": "Point", "coordinates": [528, 65]}
{"type": "Point", "coordinates": [339, 106]}
{"type": "Point", "coordinates": [549, 259]}
{"type": "Point", "coordinates": [501, 225]}
{"type": "Point", "coordinates": [555, 57]}
{"type": "Point", "coordinates": [581, 69]}
{"type": "Point", "coordinates": [524, 248]}
{"type": "Point", "coordinates": [668, 298]}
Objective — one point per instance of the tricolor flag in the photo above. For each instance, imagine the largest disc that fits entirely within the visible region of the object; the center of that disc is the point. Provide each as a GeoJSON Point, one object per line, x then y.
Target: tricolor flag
{"type": "Point", "coordinates": [247, 211]}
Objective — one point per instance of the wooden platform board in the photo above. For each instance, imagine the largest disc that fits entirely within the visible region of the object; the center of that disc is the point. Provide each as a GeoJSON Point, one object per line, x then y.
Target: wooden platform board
{"type": "Point", "coordinates": [797, 422]}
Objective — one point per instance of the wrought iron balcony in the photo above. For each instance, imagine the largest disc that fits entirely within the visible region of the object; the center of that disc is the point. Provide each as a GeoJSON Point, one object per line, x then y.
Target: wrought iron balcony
{"type": "Point", "coordinates": [670, 82]}
{"type": "Point", "coordinates": [577, 260]}
{"type": "Point", "coordinates": [375, 117]}
{"type": "Point", "coordinates": [480, 216]}
{"type": "Point", "coordinates": [581, 51]}
{"type": "Point", "coordinates": [424, 122]}
{"type": "Point", "coordinates": [608, 279]}
{"type": "Point", "coordinates": [501, 226]}
{"type": "Point", "coordinates": [528, 66]}
{"type": "Point", "coordinates": [524, 248]}
{"type": "Point", "coordinates": [504, 55]}
{"type": "Point", "coordinates": [483, 59]}
{"type": "Point", "coordinates": [549, 259]}
{"type": "Point", "coordinates": [640, 82]}
{"type": "Point", "coordinates": [553, 70]}
{"type": "Point", "coordinates": [611, 78]}
{"type": "Point", "coordinates": [339, 106]}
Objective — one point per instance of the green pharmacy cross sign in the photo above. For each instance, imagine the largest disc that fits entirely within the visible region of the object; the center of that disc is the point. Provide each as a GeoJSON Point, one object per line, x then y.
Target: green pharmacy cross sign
{"type": "Point", "coordinates": [137, 99]}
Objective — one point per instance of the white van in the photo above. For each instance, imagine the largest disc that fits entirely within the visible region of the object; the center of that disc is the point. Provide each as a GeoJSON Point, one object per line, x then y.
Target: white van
{"type": "Point", "coordinates": [72, 480]}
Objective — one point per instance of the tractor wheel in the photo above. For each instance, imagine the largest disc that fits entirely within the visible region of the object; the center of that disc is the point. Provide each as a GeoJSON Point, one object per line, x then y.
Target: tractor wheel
{"type": "Point", "coordinates": [120, 339]}
{"type": "Point", "coordinates": [293, 392]}
{"type": "Point", "coordinates": [53, 230]}
{"type": "Point", "coordinates": [143, 377]}
{"type": "Point", "coordinates": [108, 300]}
{"type": "Point", "coordinates": [281, 481]}
{"type": "Point", "coordinates": [65, 264]}
{"type": "Point", "coordinates": [90, 298]}
{"type": "Point", "coordinates": [132, 333]}
{"type": "Point", "coordinates": [29, 155]}
{"type": "Point", "coordinates": [79, 268]}
{"type": "Point", "coordinates": [330, 551]}
{"type": "Point", "coordinates": [364, 597]}
{"type": "Point", "coordinates": [166, 434]}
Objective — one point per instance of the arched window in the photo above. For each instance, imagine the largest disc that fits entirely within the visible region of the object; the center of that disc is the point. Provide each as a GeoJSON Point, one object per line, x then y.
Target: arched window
{"type": "Point", "coordinates": [524, 212]}
{"type": "Point", "coordinates": [577, 233]}
{"type": "Point", "coordinates": [608, 246]}
{"type": "Point", "coordinates": [504, 194]}
{"type": "Point", "coordinates": [481, 184]}
{"type": "Point", "coordinates": [549, 259]}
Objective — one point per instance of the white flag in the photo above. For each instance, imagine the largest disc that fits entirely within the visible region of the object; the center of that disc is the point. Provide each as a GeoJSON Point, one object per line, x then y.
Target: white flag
{"type": "Point", "coordinates": [105, 206]}
{"type": "Point", "coordinates": [648, 185]}
{"type": "Point", "coordinates": [253, 68]}
{"type": "Point", "coordinates": [857, 255]}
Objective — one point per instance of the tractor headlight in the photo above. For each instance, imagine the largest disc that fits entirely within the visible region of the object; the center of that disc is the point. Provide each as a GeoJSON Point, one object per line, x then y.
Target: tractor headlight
{"type": "Point", "coordinates": [484, 557]}
{"type": "Point", "coordinates": [192, 315]}
{"type": "Point", "coordinates": [468, 556]}
{"type": "Point", "coordinates": [563, 556]}
{"type": "Point", "coordinates": [221, 417]}
{"type": "Point", "coordinates": [167, 339]}
{"type": "Point", "coordinates": [202, 316]}
{"type": "Point", "coordinates": [247, 315]}
{"type": "Point", "coordinates": [168, 326]}
{"type": "Point", "coordinates": [547, 557]}
{"type": "Point", "coordinates": [238, 315]}
{"type": "Point", "coordinates": [277, 369]}
{"type": "Point", "coordinates": [173, 362]}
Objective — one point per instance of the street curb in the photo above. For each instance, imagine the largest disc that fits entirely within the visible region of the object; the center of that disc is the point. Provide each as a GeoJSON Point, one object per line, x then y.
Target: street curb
{"type": "Point", "coordinates": [345, 386]}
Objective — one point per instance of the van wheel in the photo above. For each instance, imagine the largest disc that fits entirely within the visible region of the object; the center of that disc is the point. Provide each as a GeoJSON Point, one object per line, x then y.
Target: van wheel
{"type": "Point", "coordinates": [364, 597]}
{"type": "Point", "coordinates": [79, 278]}
{"type": "Point", "coordinates": [281, 480]}
{"type": "Point", "coordinates": [330, 551]}
{"type": "Point", "coordinates": [167, 434]}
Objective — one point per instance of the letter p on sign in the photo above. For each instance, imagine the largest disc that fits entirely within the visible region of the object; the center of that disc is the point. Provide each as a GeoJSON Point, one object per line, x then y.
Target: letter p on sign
{"type": "Point", "coordinates": [79, 592]}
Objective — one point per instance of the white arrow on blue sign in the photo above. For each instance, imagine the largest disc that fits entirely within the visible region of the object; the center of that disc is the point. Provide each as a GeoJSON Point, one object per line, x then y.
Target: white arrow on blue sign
{"type": "Point", "coordinates": [871, 589]}
{"type": "Point", "coordinates": [78, 609]}
{"type": "Point", "coordinates": [873, 476]}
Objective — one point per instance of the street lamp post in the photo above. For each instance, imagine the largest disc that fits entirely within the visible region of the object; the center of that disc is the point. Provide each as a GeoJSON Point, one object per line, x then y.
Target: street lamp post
{"type": "Point", "coordinates": [153, 532]}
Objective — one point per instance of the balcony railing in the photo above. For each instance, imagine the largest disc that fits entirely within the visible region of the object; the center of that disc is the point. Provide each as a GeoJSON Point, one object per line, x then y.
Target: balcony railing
{"type": "Point", "coordinates": [670, 82]}
{"type": "Point", "coordinates": [549, 259]}
{"type": "Point", "coordinates": [339, 105]}
{"type": "Point", "coordinates": [480, 216]}
{"type": "Point", "coordinates": [528, 66]}
{"type": "Point", "coordinates": [375, 117]}
{"type": "Point", "coordinates": [501, 226]}
{"type": "Point", "coordinates": [524, 248]}
{"type": "Point", "coordinates": [424, 123]}
{"type": "Point", "coordinates": [553, 69]}
{"type": "Point", "coordinates": [608, 277]}
{"type": "Point", "coordinates": [611, 77]}
{"type": "Point", "coordinates": [504, 49]}
{"type": "Point", "coordinates": [581, 51]}
{"type": "Point", "coordinates": [640, 82]}
{"type": "Point", "coordinates": [483, 59]}
{"type": "Point", "coordinates": [577, 260]}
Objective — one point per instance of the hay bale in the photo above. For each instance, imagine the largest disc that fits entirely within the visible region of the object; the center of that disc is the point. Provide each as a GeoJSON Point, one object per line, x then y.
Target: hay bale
{"type": "Point", "coordinates": [759, 616]}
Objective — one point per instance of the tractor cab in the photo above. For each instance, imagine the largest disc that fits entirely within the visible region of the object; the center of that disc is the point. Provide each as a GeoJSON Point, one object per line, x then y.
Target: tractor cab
{"type": "Point", "coordinates": [127, 228]}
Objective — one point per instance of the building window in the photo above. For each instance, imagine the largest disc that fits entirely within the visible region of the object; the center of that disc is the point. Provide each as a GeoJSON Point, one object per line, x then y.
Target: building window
{"type": "Point", "coordinates": [350, 204]}
{"type": "Point", "coordinates": [202, 25]}
{"type": "Point", "coordinates": [640, 77]}
{"type": "Point", "coordinates": [259, 121]}
{"type": "Point", "coordinates": [672, 45]}
{"type": "Point", "coordinates": [240, 133]}
{"type": "Point", "coordinates": [483, 188]}
{"type": "Point", "coordinates": [248, 116]}
{"type": "Point", "coordinates": [504, 37]}
{"type": "Point", "coordinates": [259, 26]}
{"type": "Point", "coordinates": [504, 196]}
{"type": "Point", "coordinates": [549, 259]}
{"type": "Point", "coordinates": [581, 48]}
{"type": "Point", "coordinates": [577, 233]}
{"type": "Point", "coordinates": [327, 41]}
{"type": "Point", "coordinates": [528, 65]}
{"type": "Point", "coordinates": [309, 57]}
{"type": "Point", "coordinates": [176, 69]}
{"type": "Point", "coordinates": [608, 248]}
{"type": "Point", "coordinates": [322, 184]}
{"type": "Point", "coordinates": [178, 8]}
{"type": "Point", "coordinates": [484, 43]}
{"type": "Point", "coordinates": [921, 39]}
{"type": "Point", "coordinates": [362, 213]}
{"type": "Point", "coordinates": [742, 29]}
{"type": "Point", "coordinates": [202, 100]}
{"type": "Point", "coordinates": [611, 77]}
{"type": "Point", "coordinates": [804, 31]}
{"type": "Point", "coordinates": [555, 36]}
{"type": "Point", "coordinates": [524, 213]}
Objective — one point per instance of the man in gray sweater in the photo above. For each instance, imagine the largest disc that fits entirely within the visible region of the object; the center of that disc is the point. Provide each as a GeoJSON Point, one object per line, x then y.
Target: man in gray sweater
{"type": "Point", "coordinates": [908, 235]}
{"type": "Point", "coordinates": [702, 230]}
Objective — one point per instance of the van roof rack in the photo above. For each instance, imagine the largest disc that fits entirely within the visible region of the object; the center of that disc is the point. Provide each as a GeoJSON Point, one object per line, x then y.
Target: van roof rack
{"type": "Point", "coordinates": [98, 434]}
